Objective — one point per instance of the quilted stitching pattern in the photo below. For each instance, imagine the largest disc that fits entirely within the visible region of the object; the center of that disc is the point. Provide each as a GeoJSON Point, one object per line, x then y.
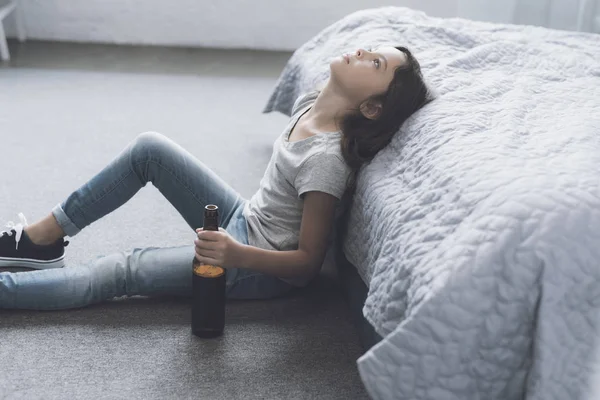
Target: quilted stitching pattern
{"type": "Point", "coordinates": [482, 217]}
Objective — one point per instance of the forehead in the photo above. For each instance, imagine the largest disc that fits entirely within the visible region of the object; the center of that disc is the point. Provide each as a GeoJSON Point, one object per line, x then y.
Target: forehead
{"type": "Point", "coordinates": [393, 55]}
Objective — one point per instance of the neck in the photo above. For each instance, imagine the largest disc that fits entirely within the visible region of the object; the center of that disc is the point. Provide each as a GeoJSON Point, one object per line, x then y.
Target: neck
{"type": "Point", "coordinates": [329, 104]}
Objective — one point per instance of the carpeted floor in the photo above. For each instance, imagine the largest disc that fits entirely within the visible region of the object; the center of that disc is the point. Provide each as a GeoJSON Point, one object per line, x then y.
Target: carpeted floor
{"type": "Point", "coordinates": [65, 111]}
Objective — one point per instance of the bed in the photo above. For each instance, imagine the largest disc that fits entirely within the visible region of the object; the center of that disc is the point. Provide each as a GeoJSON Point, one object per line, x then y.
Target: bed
{"type": "Point", "coordinates": [477, 262]}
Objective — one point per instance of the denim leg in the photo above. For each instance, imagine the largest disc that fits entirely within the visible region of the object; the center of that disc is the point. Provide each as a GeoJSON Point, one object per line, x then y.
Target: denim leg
{"type": "Point", "coordinates": [185, 181]}
{"type": "Point", "coordinates": [188, 185]}
{"type": "Point", "coordinates": [147, 271]}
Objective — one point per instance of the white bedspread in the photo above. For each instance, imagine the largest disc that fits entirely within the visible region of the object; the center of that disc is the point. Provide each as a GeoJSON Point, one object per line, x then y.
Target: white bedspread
{"type": "Point", "coordinates": [478, 228]}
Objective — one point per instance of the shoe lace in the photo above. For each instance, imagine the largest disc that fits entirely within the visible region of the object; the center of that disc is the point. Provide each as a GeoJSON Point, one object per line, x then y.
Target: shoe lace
{"type": "Point", "coordinates": [17, 228]}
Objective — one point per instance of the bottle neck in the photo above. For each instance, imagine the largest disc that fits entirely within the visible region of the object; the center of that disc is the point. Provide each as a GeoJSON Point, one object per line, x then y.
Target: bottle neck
{"type": "Point", "coordinates": [211, 224]}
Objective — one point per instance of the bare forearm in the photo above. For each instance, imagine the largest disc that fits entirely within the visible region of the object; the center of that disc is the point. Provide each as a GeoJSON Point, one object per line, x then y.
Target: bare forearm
{"type": "Point", "coordinates": [282, 264]}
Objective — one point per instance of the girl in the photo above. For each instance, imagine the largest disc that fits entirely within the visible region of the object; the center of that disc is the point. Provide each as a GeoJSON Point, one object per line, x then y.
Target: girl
{"type": "Point", "coordinates": [269, 244]}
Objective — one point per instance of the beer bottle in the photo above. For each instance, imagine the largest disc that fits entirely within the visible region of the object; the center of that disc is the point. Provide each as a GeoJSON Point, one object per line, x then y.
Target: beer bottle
{"type": "Point", "coordinates": [208, 288]}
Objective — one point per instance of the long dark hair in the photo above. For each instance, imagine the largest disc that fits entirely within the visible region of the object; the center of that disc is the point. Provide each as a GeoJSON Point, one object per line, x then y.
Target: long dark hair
{"type": "Point", "coordinates": [363, 138]}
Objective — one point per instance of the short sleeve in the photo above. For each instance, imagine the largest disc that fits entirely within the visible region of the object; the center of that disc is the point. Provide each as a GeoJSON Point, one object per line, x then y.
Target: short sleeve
{"type": "Point", "coordinates": [322, 172]}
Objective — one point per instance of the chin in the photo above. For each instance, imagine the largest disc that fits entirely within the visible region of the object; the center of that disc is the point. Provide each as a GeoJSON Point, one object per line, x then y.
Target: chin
{"type": "Point", "coordinates": [337, 63]}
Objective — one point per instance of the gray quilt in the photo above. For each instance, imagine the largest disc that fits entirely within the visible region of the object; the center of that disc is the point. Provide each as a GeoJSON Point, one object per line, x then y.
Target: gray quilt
{"type": "Point", "coordinates": [480, 222]}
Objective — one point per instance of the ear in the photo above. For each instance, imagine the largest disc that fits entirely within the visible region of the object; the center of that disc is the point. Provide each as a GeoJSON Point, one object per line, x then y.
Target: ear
{"type": "Point", "coordinates": [371, 109]}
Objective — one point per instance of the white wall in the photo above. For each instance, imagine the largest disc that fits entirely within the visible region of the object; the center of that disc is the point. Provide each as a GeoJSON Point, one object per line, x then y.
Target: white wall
{"type": "Point", "coordinates": [260, 24]}
{"type": "Point", "coordinates": [576, 15]}
{"type": "Point", "coordinates": [263, 24]}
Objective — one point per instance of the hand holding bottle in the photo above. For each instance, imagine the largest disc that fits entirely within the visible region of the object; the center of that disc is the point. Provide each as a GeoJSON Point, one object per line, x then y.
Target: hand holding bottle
{"type": "Point", "coordinates": [218, 248]}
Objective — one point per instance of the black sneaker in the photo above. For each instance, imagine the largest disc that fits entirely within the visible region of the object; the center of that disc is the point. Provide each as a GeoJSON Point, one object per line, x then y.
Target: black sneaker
{"type": "Point", "coordinates": [17, 250]}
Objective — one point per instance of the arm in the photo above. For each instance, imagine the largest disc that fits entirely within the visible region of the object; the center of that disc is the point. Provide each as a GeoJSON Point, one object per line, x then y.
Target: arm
{"type": "Point", "coordinates": [290, 264]}
{"type": "Point", "coordinates": [317, 221]}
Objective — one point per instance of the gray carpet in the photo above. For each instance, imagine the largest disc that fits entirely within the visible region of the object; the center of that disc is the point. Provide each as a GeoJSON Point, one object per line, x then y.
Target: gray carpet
{"type": "Point", "coordinates": [65, 111]}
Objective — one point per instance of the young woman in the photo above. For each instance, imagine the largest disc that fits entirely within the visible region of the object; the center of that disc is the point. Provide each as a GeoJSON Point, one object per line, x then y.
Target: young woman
{"type": "Point", "coordinates": [269, 244]}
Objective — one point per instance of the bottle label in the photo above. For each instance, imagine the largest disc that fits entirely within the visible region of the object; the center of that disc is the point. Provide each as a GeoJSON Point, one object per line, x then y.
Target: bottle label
{"type": "Point", "coordinates": [208, 271]}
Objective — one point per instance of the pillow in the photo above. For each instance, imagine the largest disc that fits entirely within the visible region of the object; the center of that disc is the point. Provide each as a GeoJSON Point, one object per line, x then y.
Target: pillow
{"type": "Point", "coordinates": [308, 68]}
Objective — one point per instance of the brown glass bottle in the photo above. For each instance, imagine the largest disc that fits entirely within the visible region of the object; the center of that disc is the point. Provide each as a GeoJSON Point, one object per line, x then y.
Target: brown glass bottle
{"type": "Point", "coordinates": [208, 288]}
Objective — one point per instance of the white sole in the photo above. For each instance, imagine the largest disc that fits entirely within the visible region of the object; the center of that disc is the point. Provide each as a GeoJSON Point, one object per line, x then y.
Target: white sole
{"type": "Point", "coordinates": [32, 263]}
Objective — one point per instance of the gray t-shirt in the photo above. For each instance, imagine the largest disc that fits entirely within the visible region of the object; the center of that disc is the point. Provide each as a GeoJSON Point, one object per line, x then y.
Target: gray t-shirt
{"type": "Point", "coordinates": [274, 213]}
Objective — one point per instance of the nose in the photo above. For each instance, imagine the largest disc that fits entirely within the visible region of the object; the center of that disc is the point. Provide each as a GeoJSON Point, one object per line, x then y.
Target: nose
{"type": "Point", "coordinates": [360, 53]}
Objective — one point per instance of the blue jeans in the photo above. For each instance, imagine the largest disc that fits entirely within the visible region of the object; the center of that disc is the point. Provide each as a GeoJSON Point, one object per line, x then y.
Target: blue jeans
{"type": "Point", "coordinates": [189, 186]}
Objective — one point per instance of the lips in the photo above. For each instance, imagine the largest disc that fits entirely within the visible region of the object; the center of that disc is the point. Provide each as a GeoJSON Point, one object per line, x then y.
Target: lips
{"type": "Point", "coordinates": [346, 58]}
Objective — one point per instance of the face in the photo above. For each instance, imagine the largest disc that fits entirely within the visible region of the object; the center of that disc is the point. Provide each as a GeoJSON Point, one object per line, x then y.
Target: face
{"type": "Point", "coordinates": [366, 72]}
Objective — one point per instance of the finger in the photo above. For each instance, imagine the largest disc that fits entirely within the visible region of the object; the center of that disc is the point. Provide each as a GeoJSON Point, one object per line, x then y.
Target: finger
{"type": "Point", "coordinates": [206, 260]}
{"type": "Point", "coordinates": [204, 245]}
{"type": "Point", "coordinates": [209, 236]}
{"type": "Point", "coordinates": [206, 252]}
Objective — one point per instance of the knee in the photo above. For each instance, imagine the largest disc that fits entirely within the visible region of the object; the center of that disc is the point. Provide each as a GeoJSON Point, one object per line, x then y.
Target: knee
{"type": "Point", "coordinates": [148, 143]}
{"type": "Point", "coordinates": [116, 274]}
{"type": "Point", "coordinates": [150, 138]}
